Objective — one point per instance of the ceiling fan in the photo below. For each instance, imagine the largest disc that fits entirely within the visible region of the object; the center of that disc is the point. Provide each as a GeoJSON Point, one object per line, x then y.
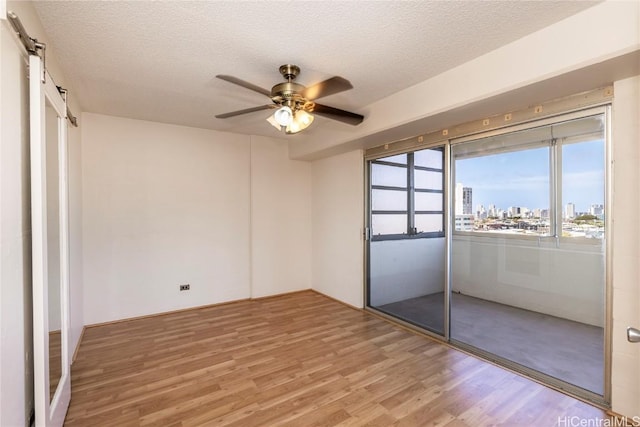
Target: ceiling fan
{"type": "Point", "coordinates": [294, 103]}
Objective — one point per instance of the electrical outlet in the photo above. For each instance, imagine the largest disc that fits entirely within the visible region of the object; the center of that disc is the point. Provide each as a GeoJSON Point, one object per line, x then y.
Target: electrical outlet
{"type": "Point", "coordinates": [185, 287]}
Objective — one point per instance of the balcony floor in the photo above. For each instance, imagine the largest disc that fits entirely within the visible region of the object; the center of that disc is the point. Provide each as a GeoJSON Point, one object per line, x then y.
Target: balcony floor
{"type": "Point", "coordinates": [570, 351]}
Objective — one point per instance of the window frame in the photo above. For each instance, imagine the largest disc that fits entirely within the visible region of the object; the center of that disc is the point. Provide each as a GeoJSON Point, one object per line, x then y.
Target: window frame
{"type": "Point", "coordinates": [410, 212]}
{"type": "Point", "coordinates": [555, 175]}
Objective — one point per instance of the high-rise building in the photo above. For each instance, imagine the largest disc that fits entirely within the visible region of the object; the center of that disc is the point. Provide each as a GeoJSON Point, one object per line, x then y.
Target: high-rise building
{"type": "Point", "coordinates": [570, 210]}
{"type": "Point", "coordinates": [467, 201]}
{"type": "Point", "coordinates": [463, 199]}
{"type": "Point", "coordinates": [596, 210]}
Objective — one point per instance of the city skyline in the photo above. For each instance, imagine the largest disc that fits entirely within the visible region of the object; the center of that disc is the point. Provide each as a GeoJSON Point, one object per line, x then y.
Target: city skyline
{"type": "Point", "coordinates": [521, 178]}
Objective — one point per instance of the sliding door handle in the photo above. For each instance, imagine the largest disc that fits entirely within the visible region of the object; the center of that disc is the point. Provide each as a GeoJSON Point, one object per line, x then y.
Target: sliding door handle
{"type": "Point", "coordinates": [633, 334]}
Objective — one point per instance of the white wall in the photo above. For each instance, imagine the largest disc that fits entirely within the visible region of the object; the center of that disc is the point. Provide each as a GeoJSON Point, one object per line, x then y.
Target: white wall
{"type": "Point", "coordinates": [566, 282]}
{"type": "Point", "coordinates": [165, 205]}
{"type": "Point", "coordinates": [403, 269]}
{"type": "Point", "coordinates": [280, 219]}
{"type": "Point", "coordinates": [626, 245]}
{"type": "Point", "coordinates": [337, 218]}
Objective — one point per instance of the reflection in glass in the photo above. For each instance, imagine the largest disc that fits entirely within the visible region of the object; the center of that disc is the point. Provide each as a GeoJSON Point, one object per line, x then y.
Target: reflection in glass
{"type": "Point", "coordinates": [428, 201]}
{"type": "Point", "coordinates": [428, 158]}
{"type": "Point", "coordinates": [388, 200]}
{"type": "Point", "coordinates": [389, 176]}
{"type": "Point", "coordinates": [53, 249]}
{"type": "Point", "coordinates": [429, 223]}
{"type": "Point", "coordinates": [388, 224]}
{"type": "Point", "coordinates": [428, 180]}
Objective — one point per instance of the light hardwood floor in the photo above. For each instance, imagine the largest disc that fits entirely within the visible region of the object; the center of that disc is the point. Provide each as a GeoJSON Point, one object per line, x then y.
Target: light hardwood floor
{"type": "Point", "coordinates": [297, 360]}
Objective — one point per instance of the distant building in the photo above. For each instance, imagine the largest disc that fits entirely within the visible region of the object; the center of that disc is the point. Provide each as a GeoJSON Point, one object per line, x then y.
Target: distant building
{"type": "Point", "coordinates": [464, 223]}
{"type": "Point", "coordinates": [596, 210]}
{"type": "Point", "coordinates": [515, 211]}
{"type": "Point", "coordinates": [570, 210]}
{"type": "Point", "coordinates": [481, 213]}
{"type": "Point", "coordinates": [467, 201]}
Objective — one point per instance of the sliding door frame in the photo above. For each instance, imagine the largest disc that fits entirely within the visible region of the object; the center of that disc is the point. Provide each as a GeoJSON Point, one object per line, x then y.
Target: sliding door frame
{"type": "Point", "coordinates": [579, 105]}
{"type": "Point", "coordinates": [603, 400]}
{"type": "Point", "coordinates": [446, 196]}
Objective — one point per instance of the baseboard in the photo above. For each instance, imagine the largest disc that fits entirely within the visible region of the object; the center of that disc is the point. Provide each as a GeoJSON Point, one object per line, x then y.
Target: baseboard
{"type": "Point", "coordinates": [280, 295]}
{"type": "Point", "coordinates": [181, 310]}
{"type": "Point", "coordinates": [337, 300]}
{"type": "Point", "coordinates": [200, 307]}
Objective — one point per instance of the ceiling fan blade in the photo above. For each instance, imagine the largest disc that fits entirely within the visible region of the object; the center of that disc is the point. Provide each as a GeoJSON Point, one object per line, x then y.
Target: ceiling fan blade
{"type": "Point", "coordinates": [247, 85]}
{"type": "Point", "coordinates": [327, 87]}
{"type": "Point", "coordinates": [245, 111]}
{"type": "Point", "coordinates": [338, 114]}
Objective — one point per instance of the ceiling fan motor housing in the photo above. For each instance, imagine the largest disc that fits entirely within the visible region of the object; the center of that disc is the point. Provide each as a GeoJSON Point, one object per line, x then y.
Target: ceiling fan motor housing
{"type": "Point", "coordinates": [288, 93]}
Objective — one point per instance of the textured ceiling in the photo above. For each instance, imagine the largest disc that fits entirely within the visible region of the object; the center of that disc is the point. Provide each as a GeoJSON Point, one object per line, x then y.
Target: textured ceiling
{"type": "Point", "coordinates": [158, 60]}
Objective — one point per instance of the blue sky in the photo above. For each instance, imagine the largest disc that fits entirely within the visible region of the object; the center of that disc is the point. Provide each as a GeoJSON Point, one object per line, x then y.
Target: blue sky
{"type": "Point", "coordinates": [521, 178]}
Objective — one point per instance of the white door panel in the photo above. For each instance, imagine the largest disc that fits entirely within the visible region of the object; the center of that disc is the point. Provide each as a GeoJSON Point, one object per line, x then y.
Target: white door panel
{"type": "Point", "coordinates": [50, 247]}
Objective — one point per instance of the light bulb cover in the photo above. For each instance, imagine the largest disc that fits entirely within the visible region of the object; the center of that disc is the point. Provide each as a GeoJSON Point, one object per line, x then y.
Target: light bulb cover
{"type": "Point", "coordinates": [301, 121]}
{"type": "Point", "coordinates": [272, 121]}
{"type": "Point", "coordinates": [284, 116]}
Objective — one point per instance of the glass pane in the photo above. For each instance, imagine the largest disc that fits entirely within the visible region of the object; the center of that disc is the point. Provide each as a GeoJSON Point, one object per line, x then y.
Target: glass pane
{"type": "Point", "coordinates": [429, 158]}
{"type": "Point", "coordinates": [517, 297]}
{"type": "Point", "coordinates": [427, 180]}
{"type": "Point", "coordinates": [504, 193]}
{"type": "Point", "coordinates": [53, 248]}
{"type": "Point", "coordinates": [400, 158]}
{"type": "Point", "coordinates": [407, 280]}
{"type": "Point", "coordinates": [388, 224]}
{"type": "Point", "coordinates": [388, 200]}
{"type": "Point", "coordinates": [429, 223]}
{"type": "Point", "coordinates": [428, 201]}
{"type": "Point", "coordinates": [583, 179]}
{"type": "Point", "coordinates": [391, 176]}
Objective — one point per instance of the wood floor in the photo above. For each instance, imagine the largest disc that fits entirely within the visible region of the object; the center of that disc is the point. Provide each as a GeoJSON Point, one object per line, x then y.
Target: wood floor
{"type": "Point", "coordinates": [297, 360]}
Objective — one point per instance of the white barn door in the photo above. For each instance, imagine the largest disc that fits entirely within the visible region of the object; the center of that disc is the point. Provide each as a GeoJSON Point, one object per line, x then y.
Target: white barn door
{"type": "Point", "coordinates": [50, 247]}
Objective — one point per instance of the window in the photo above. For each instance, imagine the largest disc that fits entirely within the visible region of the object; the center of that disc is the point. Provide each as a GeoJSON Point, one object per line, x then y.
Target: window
{"type": "Point", "coordinates": [407, 195]}
{"type": "Point", "coordinates": [543, 181]}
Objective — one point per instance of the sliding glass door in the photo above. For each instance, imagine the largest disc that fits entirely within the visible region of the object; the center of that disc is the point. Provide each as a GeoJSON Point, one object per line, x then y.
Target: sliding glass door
{"type": "Point", "coordinates": [520, 277]}
{"type": "Point", "coordinates": [528, 266]}
{"type": "Point", "coordinates": [407, 247]}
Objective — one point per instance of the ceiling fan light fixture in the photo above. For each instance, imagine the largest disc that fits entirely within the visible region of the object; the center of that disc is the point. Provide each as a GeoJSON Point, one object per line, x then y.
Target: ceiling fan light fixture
{"type": "Point", "coordinates": [272, 121]}
{"type": "Point", "coordinates": [283, 116]}
{"type": "Point", "coordinates": [301, 121]}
